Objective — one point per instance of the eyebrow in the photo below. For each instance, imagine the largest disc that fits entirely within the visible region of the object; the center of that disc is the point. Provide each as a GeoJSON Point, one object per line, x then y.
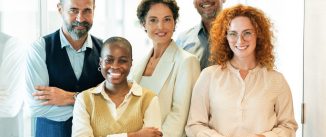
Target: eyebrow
{"type": "Point", "coordinates": [110, 56]}
{"type": "Point", "coordinates": [168, 16]}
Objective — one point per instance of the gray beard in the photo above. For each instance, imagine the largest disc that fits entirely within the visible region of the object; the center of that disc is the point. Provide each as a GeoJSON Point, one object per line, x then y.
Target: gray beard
{"type": "Point", "coordinates": [76, 35]}
{"type": "Point", "coordinates": [209, 16]}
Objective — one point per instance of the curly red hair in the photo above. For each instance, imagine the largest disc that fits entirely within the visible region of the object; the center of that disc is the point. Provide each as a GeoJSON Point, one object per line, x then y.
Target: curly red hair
{"type": "Point", "coordinates": [220, 50]}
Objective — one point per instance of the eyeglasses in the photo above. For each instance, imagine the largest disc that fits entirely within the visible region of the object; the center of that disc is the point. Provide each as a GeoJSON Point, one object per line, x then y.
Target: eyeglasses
{"type": "Point", "coordinates": [246, 35]}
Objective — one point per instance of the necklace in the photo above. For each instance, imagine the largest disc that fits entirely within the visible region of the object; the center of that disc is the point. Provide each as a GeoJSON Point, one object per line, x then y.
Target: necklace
{"type": "Point", "coordinates": [242, 69]}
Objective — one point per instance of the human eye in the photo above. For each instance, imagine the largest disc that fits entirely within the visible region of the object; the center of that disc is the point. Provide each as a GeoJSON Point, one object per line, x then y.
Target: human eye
{"type": "Point", "coordinates": [232, 34]}
{"type": "Point", "coordinates": [247, 33]}
{"type": "Point", "coordinates": [73, 11]}
{"type": "Point", "coordinates": [88, 11]}
{"type": "Point", "coordinates": [168, 19]}
{"type": "Point", "coordinates": [153, 20]}
{"type": "Point", "coordinates": [108, 60]}
{"type": "Point", "coordinates": [123, 60]}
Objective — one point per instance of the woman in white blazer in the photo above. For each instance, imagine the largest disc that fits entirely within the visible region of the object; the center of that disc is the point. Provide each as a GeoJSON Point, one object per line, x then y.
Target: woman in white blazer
{"type": "Point", "coordinates": [167, 70]}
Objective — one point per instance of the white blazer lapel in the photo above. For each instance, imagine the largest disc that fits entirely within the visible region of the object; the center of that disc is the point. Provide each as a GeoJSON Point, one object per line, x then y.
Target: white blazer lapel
{"type": "Point", "coordinates": [164, 68]}
{"type": "Point", "coordinates": [138, 69]}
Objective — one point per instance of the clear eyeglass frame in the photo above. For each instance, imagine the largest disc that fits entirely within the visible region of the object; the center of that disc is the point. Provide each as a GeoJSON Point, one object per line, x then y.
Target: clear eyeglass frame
{"type": "Point", "coordinates": [246, 35]}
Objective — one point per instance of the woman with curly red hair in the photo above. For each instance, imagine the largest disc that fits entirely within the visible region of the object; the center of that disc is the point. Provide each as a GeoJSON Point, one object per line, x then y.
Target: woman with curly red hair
{"type": "Point", "coordinates": [241, 95]}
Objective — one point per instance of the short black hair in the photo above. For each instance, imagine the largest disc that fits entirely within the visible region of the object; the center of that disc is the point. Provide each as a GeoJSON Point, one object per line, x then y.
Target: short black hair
{"type": "Point", "coordinates": [125, 43]}
{"type": "Point", "coordinates": [145, 5]}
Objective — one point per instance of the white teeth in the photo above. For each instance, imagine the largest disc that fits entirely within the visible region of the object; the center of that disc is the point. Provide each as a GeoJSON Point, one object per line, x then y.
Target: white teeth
{"type": "Point", "coordinates": [115, 75]}
{"type": "Point", "coordinates": [161, 34]}
{"type": "Point", "coordinates": [205, 5]}
{"type": "Point", "coordinates": [241, 47]}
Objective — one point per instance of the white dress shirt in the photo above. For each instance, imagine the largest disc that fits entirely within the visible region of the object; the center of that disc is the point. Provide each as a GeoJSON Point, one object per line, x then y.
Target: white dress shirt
{"type": "Point", "coordinates": [12, 63]}
{"type": "Point", "coordinates": [37, 75]}
{"type": "Point", "coordinates": [225, 105]}
{"type": "Point", "coordinates": [81, 121]}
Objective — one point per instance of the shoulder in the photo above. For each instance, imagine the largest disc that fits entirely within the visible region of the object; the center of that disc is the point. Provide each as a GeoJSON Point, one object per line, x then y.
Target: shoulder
{"type": "Point", "coordinates": [140, 90]}
{"type": "Point", "coordinates": [94, 38]}
{"type": "Point", "coordinates": [88, 93]}
{"type": "Point", "coordinates": [274, 79]}
{"type": "Point", "coordinates": [184, 36]}
{"type": "Point", "coordinates": [186, 56]}
{"type": "Point", "coordinates": [36, 49]}
{"type": "Point", "coordinates": [148, 93]}
{"type": "Point", "coordinates": [185, 59]}
{"type": "Point", "coordinates": [98, 43]}
{"type": "Point", "coordinates": [192, 31]}
{"type": "Point", "coordinates": [273, 74]}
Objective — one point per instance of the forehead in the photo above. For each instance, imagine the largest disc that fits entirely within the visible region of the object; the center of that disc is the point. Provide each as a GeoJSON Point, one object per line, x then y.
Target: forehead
{"type": "Point", "coordinates": [81, 4]}
{"type": "Point", "coordinates": [116, 48]}
{"type": "Point", "coordinates": [240, 23]}
{"type": "Point", "coordinates": [159, 10]}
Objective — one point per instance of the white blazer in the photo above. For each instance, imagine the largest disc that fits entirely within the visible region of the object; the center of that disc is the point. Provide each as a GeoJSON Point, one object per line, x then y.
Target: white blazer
{"type": "Point", "coordinates": [173, 80]}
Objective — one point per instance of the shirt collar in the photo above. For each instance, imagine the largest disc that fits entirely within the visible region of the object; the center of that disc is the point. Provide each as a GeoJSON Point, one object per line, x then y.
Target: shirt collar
{"type": "Point", "coordinates": [202, 30]}
{"type": "Point", "coordinates": [65, 43]}
{"type": "Point", "coordinates": [235, 70]}
{"type": "Point", "coordinates": [135, 89]}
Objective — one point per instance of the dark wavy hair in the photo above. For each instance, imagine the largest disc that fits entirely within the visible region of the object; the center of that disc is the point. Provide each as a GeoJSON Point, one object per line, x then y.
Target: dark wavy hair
{"type": "Point", "coordinates": [145, 5]}
{"type": "Point", "coordinates": [220, 49]}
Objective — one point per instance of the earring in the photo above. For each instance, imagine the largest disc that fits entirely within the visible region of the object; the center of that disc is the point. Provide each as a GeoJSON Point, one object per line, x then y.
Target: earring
{"type": "Point", "coordinates": [145, 30]}
{"type": "Point", "coordinates": [99, 68]}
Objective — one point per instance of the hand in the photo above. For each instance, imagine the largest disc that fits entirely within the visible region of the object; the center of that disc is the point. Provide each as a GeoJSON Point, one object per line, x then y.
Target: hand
{"type": "Point", "coordinates": [53, 96]}
{"type": "Point", "coordinates": [147, 132]}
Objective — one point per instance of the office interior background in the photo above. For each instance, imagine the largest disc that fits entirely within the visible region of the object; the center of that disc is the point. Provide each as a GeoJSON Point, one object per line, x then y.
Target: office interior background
{"type": "Point", "coordinates": [299, 27]}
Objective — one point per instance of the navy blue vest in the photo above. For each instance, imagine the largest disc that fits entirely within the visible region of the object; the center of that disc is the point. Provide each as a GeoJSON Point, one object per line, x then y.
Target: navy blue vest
{"type": "Point", "coordinates": [60, 71]}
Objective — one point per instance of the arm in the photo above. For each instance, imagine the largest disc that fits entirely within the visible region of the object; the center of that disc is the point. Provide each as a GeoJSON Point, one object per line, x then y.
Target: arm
{"type": "Point", "coordinates": [286, 124]}
{"type": "Point", "coordinates": [37, 75]}
{"type": "Point", "coordinates": [81, 126]}
{"type": "Point", "coordinates": [175, 121]}
{"type": "Point", "coordinates": [152, 122]}
{"type": "Point", "coordinates": [12, 62]}
{"type": "Point", "coordinates": [199, 113]}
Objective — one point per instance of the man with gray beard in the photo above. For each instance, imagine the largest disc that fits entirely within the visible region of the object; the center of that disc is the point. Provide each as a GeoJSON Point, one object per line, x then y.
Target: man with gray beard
{"type": "Point", "coordinates": [195, 40]}
{"type": "Point", "coordinates": [59, 66]}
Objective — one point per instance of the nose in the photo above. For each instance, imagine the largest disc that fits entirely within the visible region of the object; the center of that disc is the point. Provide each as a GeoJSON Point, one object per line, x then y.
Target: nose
{"type": "Point", "coordinates": [240, 39]}
{"type": "Point", "coordinates": [80, 17]}
{"type": "Point", "coordinates": [115, 65]}
{"type": "Point", "coordinates": [160, 25]}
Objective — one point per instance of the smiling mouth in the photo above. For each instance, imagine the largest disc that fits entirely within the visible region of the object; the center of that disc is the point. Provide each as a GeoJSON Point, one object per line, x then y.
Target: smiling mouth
{"type": "Point", "coordinates": [241, 47]}
{"type": "Point", "coordinates": [206, 5]}
{"type": "Point", "coordinates": [161, 34]}
{"type": "Point", "coordinates": [114, 75]}
{"type": "Point", "coordinates": [80, 27]}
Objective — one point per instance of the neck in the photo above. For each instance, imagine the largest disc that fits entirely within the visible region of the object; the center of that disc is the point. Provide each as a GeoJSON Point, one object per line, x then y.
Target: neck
{"type": "Point", "coordinates": [158, 49]}
{"type": "Point", "coordinates": [120, 89]}
{"type": "Point", "coordinates": [243, 64]}
{"type": "Point", "coordinates": [207, 24]}
{"type": "Point", "coordinates": [76, 44]}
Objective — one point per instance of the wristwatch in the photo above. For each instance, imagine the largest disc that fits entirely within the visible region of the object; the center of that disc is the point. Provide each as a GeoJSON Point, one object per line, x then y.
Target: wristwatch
{"type": "Point", "coordinates": [75, 95]}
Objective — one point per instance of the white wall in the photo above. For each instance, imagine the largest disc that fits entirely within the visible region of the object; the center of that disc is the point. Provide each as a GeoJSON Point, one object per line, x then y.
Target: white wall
{"type": "Point", "coordinates": [314, 69]}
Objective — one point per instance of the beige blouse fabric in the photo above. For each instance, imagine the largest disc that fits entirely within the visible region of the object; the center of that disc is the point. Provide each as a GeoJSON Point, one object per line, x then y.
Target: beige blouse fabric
{"type": "Point", "coordinates": [225, 105]}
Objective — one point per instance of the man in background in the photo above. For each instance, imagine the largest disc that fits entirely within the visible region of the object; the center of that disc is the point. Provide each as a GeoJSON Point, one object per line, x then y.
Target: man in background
{"type": "Point", "coordinates": [59, 66]}
{"type": "Point", "coordinates": [195, 40]}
